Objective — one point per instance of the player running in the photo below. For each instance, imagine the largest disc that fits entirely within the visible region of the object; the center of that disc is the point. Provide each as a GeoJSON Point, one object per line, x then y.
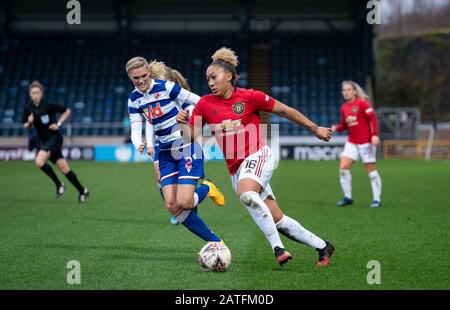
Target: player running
{"type": "Point", "coordinates": [180, 165]}
{"type": "Point", "coordinates": [233, 116]}
{"type": "Point", "coordinates": [360, 119]}
{"type": "Point", "coordinates": [159, 71]}
{"type": "Point", "coordinates": [41, 114]}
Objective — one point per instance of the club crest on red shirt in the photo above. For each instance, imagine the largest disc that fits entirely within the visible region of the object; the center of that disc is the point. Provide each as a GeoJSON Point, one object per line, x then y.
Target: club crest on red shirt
{"type": "Point", "coordinates": [238, 108]}
{"type": "Point", "coordinates": [355, 110]}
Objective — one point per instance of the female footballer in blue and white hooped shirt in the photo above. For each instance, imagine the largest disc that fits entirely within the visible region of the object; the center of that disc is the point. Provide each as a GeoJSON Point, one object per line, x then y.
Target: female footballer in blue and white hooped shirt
{"type": "Point", "coordinates": [158, 102]}
{"type": "Point", "coordinates": [159, 71]}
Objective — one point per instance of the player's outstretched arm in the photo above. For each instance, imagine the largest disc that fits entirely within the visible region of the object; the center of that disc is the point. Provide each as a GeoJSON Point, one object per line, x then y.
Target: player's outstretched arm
{"type": "Point", "coordinates": [323, 133]}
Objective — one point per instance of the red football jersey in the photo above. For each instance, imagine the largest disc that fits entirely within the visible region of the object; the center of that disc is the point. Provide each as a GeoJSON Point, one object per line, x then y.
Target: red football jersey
{"type": "Point", "coordinates": [234, 122]}
{"type": "Point", "coordinates": [360, 120]}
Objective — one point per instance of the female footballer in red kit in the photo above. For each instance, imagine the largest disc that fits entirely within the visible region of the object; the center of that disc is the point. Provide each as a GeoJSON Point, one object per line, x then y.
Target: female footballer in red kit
{"type": "Point", "coordinates": [358, 117]}
{"type": "Point", "coordinates": [232, 113]}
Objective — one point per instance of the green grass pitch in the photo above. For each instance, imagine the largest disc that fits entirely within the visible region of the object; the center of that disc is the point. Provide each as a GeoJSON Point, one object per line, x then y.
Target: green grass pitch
{"type": "Point", "coordinates": [123, 239]}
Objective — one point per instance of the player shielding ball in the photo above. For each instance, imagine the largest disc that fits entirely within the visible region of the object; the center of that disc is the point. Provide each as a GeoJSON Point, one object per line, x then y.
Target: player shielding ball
{"type": "Point", "coordinates": [42, 114]}
{"type": "Point", "coordinates": [233, 116]}
{"type": "Point", "coordinates": [359, 118]}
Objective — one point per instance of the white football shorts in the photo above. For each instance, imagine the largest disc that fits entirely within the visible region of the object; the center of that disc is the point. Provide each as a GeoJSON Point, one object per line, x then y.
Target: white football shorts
{"type": "Point", "coordinates": [259, 166]}
{"type": "Point", "coordinates": [364, 151]}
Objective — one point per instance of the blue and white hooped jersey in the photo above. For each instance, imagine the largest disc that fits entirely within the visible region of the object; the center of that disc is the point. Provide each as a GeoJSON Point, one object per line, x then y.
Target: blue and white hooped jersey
{"type": "Point", "coordinates": [160, 106]}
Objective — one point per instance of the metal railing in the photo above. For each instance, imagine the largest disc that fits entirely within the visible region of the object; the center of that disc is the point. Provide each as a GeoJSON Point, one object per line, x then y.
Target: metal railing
{"type": "Point", "coordinates": [417, 149]}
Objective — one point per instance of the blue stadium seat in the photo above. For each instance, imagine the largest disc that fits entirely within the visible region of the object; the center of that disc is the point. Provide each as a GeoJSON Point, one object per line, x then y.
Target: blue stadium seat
{"type": "Point", "coordinates": [312, 66]}
{"type": "Point", "coordinates": [86, 71]}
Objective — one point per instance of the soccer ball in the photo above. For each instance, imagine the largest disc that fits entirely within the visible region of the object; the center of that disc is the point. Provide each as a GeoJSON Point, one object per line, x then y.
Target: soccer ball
{"type": "Point", "coordinates": [215, 256]}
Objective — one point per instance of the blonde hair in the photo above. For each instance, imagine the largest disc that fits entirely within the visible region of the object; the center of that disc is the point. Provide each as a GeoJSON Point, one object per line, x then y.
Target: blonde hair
{"type": "Point", "coordinates": [228, 60]}
{"type": "Point", "coordinates": [136, 62]}
{"type": "Point", "coordinates": [178, 78]}
{"type": "Point", "coordinates": [360, 93]}
{"type": "Point", "coordinates": [159, 70]}
{"type": "Point", "coordinates": [227, 55]}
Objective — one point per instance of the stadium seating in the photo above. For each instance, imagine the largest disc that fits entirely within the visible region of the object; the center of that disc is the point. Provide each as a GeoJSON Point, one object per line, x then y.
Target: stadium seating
{"type": "Point", "coordinates": [307, 71]}
{"type": "Point", "coordinates": [86, 72]}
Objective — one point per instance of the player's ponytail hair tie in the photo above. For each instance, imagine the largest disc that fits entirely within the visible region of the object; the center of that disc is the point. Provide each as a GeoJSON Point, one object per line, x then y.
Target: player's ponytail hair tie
{"type": "Point", "coordinates": [227, 59]}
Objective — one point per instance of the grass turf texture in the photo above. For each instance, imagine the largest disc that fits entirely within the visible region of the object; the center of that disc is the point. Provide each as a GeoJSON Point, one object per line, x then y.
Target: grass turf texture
{"type": "Point", "coordinates": [123, 239]}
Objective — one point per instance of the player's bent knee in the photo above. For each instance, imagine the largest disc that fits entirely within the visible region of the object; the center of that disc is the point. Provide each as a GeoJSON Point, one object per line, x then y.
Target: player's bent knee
{"type": "Point", "coordinates": [39, 162]}
{"type": "Point", "coordinates": [254, 204]}
{"type": "Point", "coordinates": [185, 205]}
{"type": "Point", "coordinates": [345, 166]}
{"type": "Point", "coordinates": [64, 169]}
{"type": "Point", "coordinates": [247, 198]}
{"type": "Point", "coordinates": [171, 206]}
